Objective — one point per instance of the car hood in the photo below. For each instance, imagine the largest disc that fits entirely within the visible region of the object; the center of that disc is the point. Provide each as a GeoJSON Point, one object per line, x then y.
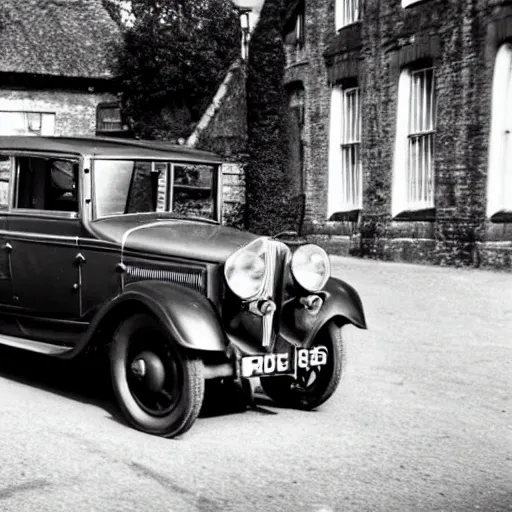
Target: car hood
{"type": "Point", "coordinates": [173, 237]}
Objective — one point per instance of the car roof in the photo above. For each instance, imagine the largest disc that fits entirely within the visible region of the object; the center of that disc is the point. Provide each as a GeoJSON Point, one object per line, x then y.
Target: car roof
{"type": "Point", "coordinates": [107, 147]}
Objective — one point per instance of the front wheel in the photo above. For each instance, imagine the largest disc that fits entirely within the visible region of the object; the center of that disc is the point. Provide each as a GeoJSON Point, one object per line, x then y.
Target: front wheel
{"type": "Point", "coordinates": [315, 385]}
{"type": "Point", "coordinates": [159, 387]}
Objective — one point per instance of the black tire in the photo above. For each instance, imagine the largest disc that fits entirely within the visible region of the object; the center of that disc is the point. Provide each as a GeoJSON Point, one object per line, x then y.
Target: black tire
{"type": "Point", "coordinates": [172, 407]}
{"type": "Point", "coordinates": [302, 393]}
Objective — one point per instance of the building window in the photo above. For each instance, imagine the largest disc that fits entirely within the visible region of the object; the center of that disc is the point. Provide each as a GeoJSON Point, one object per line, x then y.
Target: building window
{"type": "Point", "coordinates": [413, 169]}
{"type": "Point", "coordinates": [345, 173]}
{"type": "Point", "coordinates": [27, 123]}
{"type": "Point", "coordinates": [299, 30]}
{"type": "Point", "coordinates": [109, 118]}
{"type": "Point", "coordinates": [346, 12]}
{"type": "Point", "coordinates": [499, 182]}
{"type": "Point", "coordinates": [295, 125]}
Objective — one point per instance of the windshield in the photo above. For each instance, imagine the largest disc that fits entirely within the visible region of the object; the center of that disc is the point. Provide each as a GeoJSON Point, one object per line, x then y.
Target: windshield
{"type": "Point", "coordinates": [137, 186]}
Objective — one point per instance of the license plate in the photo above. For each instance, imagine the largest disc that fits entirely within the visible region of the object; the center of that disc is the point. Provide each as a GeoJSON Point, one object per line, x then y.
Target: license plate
{"type": "Point", "coordinates": [283, 363]}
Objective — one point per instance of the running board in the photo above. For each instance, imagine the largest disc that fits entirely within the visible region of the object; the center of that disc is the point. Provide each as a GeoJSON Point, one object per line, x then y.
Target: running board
{"type": "Point", "coordinates": [34, 346]}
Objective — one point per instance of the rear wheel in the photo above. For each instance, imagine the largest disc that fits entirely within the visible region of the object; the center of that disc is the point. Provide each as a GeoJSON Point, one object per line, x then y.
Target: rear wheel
{"type": "Point", "coordinates": [158, 385]}
{"type": "Point", "coordinates": [315, 385]}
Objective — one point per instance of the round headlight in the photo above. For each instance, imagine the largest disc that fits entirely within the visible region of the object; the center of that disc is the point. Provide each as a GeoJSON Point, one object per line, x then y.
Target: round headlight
{"type": "Point", "coordinates": [245, 270]}
{"type": "Point", "coordinates": [311, 267]}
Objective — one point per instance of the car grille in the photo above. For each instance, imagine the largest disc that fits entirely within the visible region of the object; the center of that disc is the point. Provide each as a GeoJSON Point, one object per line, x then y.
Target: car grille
{"type": "Point", "coordinates": [188, 277]}
{"type": "Point", "coordinates": [278, 262]}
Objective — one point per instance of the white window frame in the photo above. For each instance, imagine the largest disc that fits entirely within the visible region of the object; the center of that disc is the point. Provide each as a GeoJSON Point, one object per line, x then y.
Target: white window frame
{"type": "Point", "coordinates": [347, 12]}
{"type": "Point", "coordinates": [413, 178]}
{"type": "Point", "coordinates": [499, 178]}
{"type": "Point", "coordinates": [44, 122]}
{"type": "Point", "coordinates": [345, 183]}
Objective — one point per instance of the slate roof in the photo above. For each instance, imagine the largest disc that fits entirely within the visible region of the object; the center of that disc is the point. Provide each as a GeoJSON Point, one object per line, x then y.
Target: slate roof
{"type": "Point", "coordinates": [70, 38]}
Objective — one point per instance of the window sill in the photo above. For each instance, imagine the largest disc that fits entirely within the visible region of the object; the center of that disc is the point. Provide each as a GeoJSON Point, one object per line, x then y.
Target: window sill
{"type": "Point", "coordinates": [501, 217]}
{"type": "Point", "coordinates": [426, 214]}
{"type": "Point", "coordinates": [411, 3]}
{"type": "Point", "coordinates": [349, 215]}
{"type": "Point", "coordinates": [348, 25]}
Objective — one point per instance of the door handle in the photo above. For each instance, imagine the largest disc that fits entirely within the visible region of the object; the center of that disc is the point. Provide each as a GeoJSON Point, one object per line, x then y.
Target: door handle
{"type": "Point", "coordinates": [7, 247]}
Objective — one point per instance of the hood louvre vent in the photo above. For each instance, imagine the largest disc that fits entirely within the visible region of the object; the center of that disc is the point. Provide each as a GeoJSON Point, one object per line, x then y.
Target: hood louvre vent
{"type": "Point", "coordinates": [190, 278]}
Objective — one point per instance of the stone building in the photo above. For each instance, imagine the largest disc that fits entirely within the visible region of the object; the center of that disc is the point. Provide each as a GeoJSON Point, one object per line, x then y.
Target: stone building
{"type": "Point", "coordinates": [55, 74]}
{"type": "Point", "coordinates": [403, 127]}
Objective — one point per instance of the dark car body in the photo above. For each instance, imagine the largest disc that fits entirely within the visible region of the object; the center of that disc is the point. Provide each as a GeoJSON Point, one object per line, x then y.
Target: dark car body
{"type": "Point", "coordinates": [82, 250]}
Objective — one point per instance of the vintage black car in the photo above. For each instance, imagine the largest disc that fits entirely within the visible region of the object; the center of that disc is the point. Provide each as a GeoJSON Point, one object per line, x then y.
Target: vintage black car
{"type": "Point", "coordinates": [119, 244]}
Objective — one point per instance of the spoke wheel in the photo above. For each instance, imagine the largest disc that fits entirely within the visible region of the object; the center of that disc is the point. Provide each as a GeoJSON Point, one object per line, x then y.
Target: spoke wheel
{"type": "Point", "coordinates": [159, 387]}
{"type": "Point", "coordinates": [315, 385]}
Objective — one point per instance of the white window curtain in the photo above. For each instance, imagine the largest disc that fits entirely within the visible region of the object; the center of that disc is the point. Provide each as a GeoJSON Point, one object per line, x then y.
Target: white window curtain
{"type": "Point", "coordinates": [499, 181]}
{"type": "Point", "coordinates": [27, 123]}
{"type": "Point", "coordinates": [346, 12]}
{"type": "Point", "coordinates": [413, 169]}
{"type": "Point", "coordinates": [345, 173]}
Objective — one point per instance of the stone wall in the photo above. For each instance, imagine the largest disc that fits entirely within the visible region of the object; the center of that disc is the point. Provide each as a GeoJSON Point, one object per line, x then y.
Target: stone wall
{"type": "Point", "coordinates": [461, 39]}
{"type": "Point", "coordinates": [75, 112]}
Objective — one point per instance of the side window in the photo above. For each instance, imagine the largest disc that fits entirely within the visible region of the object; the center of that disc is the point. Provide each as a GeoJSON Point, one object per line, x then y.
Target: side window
{"type": "Point", "coordinates": [193, 191]}
{"type": "Point", "coordinates": [46, 184]}
{"type": "Point", "coordinates": [5, 177]}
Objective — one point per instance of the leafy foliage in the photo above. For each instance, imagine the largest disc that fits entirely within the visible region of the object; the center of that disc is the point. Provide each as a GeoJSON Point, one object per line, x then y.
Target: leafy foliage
{"type": "Point", "coordinates": [175, 55]}
{"type": "Point", "coordinates": [267, 106]}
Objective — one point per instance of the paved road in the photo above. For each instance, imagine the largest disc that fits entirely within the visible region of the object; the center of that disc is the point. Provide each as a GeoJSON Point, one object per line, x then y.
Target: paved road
{"type": "Point", "coordinates": [422, 421]}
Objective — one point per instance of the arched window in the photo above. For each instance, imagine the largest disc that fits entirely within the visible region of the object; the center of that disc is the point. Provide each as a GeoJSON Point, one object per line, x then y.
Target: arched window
{"type": "Point", "coordinates": [499, 182]}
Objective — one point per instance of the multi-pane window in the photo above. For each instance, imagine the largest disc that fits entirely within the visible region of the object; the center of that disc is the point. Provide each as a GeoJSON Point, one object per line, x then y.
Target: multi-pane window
{"type": "Point", "coordinates": [499, 184]}
{"type": "Point", "coordinates": [109, 118]}
{"type": "Point", "coordinates": [351, 177]}
{"type": "Point", "coordinates": [26, 123]}
{"type": "Point", "coordinates": [422, 125]}
{"type": "Point", "coordinates": [345, 170]}
{"type": "Point", "coordinates": [347, 12]}
{"type": "Point", "coordinates": [413, 168]}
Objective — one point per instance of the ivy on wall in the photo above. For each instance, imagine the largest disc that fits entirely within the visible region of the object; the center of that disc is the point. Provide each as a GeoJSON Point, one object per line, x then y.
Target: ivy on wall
{"type": "Point", "coordinates": [267, 188]}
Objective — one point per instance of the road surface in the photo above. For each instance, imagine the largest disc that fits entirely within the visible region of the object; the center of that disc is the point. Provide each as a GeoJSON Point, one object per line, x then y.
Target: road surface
{"type": "Point", "coordinates": [422, 420]}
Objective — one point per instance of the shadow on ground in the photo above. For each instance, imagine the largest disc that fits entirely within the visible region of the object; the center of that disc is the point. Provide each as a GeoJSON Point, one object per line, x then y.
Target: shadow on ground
{"type": "Point", "coordinates": [87, 379]}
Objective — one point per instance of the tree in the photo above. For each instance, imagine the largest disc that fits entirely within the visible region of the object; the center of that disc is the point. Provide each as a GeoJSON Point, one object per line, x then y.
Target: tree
{"type": "Point", "coordinates": [174, 56]}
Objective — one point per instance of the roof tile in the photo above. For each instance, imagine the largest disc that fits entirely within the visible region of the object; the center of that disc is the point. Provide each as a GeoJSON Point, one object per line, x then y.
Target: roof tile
{"type": "Point", "coordinates": [70, 38]}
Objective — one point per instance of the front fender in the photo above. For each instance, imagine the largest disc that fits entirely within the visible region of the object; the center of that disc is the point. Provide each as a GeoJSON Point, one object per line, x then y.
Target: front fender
{"type": "Point", "coordinates": [341, 302]}
{"type": "Point", "coordinates": [188, 317]}
{"type": "Point", "coordinates": [341, 299]}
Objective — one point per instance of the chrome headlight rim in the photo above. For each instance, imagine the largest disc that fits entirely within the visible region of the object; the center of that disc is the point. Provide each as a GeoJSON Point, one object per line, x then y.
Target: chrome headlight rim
{"type": "Point", "coordinates": [315, 249]}
{"type": "Point", "coordinates": [230, 263]}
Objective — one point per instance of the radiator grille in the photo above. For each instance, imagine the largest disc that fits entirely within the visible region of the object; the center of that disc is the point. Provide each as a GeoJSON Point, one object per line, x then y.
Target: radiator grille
{"type": "Point", "coordinates": [190, 278]}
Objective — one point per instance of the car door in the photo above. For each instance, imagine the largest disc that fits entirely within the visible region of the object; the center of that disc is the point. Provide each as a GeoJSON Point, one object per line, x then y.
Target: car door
{"type": "Point", "coordinates": [43, 230]}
